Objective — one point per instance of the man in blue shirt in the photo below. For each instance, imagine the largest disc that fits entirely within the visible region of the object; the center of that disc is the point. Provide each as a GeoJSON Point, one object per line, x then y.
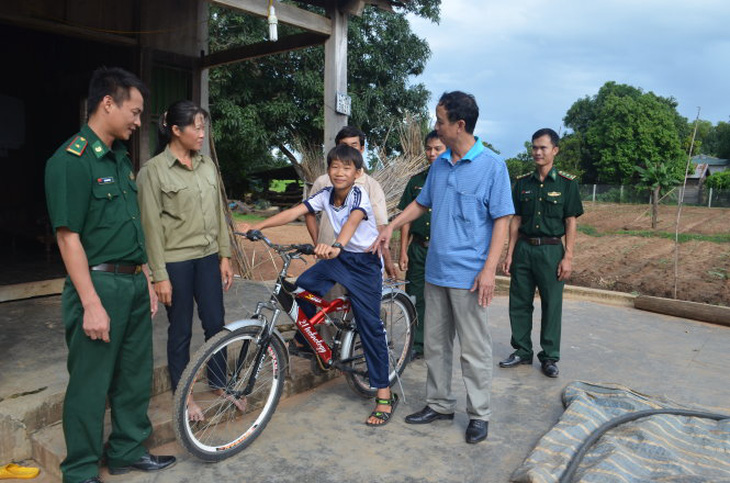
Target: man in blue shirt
{"type": "Point", "coordinates": [468, 191]}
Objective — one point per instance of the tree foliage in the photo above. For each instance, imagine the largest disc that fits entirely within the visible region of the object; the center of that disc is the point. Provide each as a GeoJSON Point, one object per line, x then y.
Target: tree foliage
{"type": "Point", "coordinates": [623, 127]}
{"type": "Point", "coordinates": [717, 141]}
{"type": "Point", "coordinates": [520, 164]}
{"type": "Point", "coordinates": [720, 181]}
{"type": "Point", "coordinates": [267, 105]}
{"type": "Point", "coordinates": [657, 177]}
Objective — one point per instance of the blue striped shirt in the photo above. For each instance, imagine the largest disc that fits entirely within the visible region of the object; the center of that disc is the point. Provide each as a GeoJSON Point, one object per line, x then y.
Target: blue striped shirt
{"type": "Point", "coordinates": [465, 199]}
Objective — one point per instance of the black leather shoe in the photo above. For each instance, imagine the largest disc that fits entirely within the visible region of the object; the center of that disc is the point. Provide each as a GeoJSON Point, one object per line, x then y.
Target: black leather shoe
{"type": "Point", "coordinates": [550, 368]}
{"type": "Point", "coordinates": [514, 360]}
{"type": "Point", "coordinates": [476, 431]}
{"type": "Point", "coordinates": [147, 462]}
{"type": "Point", "coordinates": [95, 479]}
{"type": "Point", "coordinates": [426, 415]}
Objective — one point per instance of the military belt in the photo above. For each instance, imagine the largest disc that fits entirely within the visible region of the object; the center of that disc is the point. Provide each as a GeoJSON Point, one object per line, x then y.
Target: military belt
{"type": "Point", "coordinates": [542, 240]}
{"type": "Point", "coordinates": [125, 268]}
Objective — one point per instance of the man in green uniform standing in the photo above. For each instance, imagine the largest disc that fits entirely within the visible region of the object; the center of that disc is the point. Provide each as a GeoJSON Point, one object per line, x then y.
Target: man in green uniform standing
{"type": "Point", "coordinates": [415, 238]}
{"type": "Point", "coordinates": [547, 203]}
{"type": "Point", "coordinates": [107, 300]}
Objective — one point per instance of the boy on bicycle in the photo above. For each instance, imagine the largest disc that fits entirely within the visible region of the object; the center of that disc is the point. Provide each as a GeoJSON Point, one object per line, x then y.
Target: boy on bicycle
{"type": "Point", "coordinates": [348, 262]}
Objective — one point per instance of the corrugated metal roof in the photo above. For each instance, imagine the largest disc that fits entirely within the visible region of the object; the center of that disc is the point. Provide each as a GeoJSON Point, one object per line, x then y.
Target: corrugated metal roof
{"type": "Point", "coordinates": [710, 160]}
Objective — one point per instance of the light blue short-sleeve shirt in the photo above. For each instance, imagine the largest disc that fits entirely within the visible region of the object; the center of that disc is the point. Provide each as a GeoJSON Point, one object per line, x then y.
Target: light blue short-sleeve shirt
{"type": "Point", "coordinates": [465, 198]}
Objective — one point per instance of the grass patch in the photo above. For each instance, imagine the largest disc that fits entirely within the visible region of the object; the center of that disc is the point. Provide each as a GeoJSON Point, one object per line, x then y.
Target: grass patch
{"type": "Point", "coordinates": [720, 273]}
{"type": "Point", "coordinates": [682, 237]}
{"type": "Point", "coordinates": [247, 218]}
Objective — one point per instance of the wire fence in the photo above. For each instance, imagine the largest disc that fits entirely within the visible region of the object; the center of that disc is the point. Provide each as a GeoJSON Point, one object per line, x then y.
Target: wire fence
{"type": "Point", "coordinates": [692, 195]}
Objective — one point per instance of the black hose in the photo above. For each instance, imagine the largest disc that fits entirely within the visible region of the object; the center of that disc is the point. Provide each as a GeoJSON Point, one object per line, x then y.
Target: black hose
{"type": "Point", "coordinates": [569, 472]}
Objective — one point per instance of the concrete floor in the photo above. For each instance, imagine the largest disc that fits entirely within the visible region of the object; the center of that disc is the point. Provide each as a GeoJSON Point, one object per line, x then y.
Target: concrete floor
{"type": "Point", "coordinates": [319, 436]}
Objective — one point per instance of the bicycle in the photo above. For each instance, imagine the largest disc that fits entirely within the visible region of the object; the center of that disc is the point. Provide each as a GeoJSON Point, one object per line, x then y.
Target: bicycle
{"type": "Point", "coordinates": [236, 378]}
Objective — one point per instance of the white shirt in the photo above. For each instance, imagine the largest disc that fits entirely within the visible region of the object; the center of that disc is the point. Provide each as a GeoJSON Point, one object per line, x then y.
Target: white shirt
{"type": "Point", "coordinates": [377, 201]}
{"type": "Point", "coordinates": [357, 199]}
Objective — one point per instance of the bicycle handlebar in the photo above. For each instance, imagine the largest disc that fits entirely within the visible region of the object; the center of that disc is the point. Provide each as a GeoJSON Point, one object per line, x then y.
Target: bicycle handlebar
{"type": "Point", "coordinates": [256, 235]}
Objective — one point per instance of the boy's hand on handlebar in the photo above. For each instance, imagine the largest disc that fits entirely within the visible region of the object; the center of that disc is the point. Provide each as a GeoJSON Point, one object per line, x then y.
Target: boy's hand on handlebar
{"type": "Point", "coordinates": [326, 252]}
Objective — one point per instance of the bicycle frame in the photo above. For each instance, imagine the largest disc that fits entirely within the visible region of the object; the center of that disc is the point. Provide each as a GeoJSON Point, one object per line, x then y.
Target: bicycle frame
{"type": "Point", "coordinates": [283, 298]}
{"type": "Point", "coordinates": [306, 325]}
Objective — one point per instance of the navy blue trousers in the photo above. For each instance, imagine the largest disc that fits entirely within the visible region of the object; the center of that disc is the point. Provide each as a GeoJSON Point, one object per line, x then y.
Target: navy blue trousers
{"type": "Point", "coordinates": [198, 280]}
{"type": "Point", "coordinates": [360, 274]}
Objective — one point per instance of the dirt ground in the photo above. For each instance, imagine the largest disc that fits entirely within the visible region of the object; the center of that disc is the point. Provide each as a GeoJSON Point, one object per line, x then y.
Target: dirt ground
{"type": "Point", "coordinates": [634, 264]}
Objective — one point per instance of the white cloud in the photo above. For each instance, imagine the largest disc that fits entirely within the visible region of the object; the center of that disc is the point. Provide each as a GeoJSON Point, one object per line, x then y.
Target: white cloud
{"type": "Point", "coordinates": [527, 61]}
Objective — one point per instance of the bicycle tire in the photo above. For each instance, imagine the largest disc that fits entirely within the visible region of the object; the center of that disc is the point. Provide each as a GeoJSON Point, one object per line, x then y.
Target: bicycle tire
{"type": "Point", "coordinates": [398, 315]}
{"type": "Point", "coordinates": [227, 429]}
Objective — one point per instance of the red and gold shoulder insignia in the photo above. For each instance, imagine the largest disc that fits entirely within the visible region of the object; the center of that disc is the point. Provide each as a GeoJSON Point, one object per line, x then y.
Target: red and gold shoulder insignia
{"type": "Point", "coordinates": [77, 146]}
{"type": "Point", "coordinates": [566, 175]}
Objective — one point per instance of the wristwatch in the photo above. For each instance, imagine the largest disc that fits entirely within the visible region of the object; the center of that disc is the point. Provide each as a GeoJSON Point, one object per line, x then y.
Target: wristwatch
{"type": "Point", "coordinates": [338, 245]}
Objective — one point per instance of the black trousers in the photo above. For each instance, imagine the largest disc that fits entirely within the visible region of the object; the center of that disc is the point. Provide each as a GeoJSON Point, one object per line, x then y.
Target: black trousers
{"type": "Point", "coordinates": [198, 280]}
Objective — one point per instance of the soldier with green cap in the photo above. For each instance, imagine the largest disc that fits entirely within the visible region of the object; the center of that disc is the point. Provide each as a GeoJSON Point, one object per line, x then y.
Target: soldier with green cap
{"type": "Point", "coordinates": [107, 300]}
{"type": "Point", "coordinates": [547, 204]}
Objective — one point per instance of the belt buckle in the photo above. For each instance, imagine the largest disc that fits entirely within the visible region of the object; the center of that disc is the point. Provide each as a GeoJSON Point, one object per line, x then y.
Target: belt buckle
{"type": "Point", "coordinates": [535, 242]}
{"type": "Point", "coordinates": [137, 269]}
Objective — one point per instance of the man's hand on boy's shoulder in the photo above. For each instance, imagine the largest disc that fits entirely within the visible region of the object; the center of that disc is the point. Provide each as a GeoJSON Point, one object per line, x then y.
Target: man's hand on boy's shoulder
{"type": "Point", "coordinates": [326, 252]}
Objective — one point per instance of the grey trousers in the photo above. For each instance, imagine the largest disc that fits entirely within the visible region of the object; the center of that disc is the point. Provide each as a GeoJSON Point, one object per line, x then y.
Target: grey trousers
{"type": "Point", "coordinates": [456, 312]}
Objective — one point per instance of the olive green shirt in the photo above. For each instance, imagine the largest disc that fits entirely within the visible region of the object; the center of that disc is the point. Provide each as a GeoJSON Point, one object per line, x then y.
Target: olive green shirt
{"type": "Point", "coordinates": [182, 211]}
{"type": "Point", "coordinates": [544, 205]}
{"type": "Point", "coordinates": [420, 227]}
{"type": "Point", "coordinates": [90, 190]}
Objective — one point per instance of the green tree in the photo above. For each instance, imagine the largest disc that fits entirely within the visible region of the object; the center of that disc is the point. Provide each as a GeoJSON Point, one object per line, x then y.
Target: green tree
{"type": "Point", "coordinates": [704, 128]}
{"type": "Point", "coordinates": [720, 181]}
{"type": "Point", "coordinates": [717, 141]}
{"type": "Point", "coordinates": [263, 108]}
{"type": "Point", "coordinates": [569, 157]}
{"type": "Point", "coordinates": [520, 164]}
{"type": "Point", "coordinates": [657, 177]}
{"type": "Point", "coordinates": [622, 127]}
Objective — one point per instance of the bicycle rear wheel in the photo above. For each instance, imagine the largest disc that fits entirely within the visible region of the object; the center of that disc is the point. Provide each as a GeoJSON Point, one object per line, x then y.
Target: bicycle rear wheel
{"type": "Point", "coordinates": [214, 380]}
{"type": "Point", "coordinates": [398, 315]}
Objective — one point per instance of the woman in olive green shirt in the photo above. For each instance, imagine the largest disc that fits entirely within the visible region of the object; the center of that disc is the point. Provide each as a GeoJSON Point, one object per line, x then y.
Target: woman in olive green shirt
{"type": "Point", "coordinates": [186, 235]}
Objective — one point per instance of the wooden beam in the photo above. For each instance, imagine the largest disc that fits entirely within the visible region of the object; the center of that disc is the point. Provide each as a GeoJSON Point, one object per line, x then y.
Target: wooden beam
{"type": "Point", "coordinates": [680, 308]}
{"type": "Point", "coordinates": [21, 291]}
{"type": "Point", "coordinates": [335, 76]}
{"type": "Point", "coordinates": [285, 13]}
{"type": "Point", "coordinates": [261, 49]}
{"type": "Point", "coordinates": [68, 30]}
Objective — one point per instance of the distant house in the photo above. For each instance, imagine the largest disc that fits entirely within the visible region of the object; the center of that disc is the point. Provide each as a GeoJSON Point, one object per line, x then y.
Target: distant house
{"type": "Point", "coordinates": [713, 164]}
{"type": "Point", "coordinates": [704, 166]}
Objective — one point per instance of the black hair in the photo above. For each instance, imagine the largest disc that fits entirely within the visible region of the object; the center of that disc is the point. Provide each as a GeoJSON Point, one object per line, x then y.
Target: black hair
{"type": "Point", "coordinates": [461, 106]}
{"type": "Point", "coordinates": [346, 154]}
{"type": "Point", "coordinates": [112, 81]}
{"type": "Point", "coordinates": [429, 136]}
{"type": "Point", "coordinates": [180, 114]}
{"type": "Point", "coordinates": [546, 131]}
{"type": "Point", "coordinates": [350, 132]}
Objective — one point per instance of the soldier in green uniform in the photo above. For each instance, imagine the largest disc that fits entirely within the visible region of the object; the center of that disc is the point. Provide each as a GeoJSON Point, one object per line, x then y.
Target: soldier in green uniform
{"type": "Point", "coordinates": [107, 300]}
{"type": "Point", "coordinates": [415, 238]}
{"type": "Point", "coordinates": [547, 203]}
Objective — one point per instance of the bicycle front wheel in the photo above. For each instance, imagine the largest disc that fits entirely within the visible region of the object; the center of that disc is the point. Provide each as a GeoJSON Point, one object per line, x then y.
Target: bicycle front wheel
{"type": "Point", "coordinates": [399, 316]}
{"type": "Point", "coordinates": [214, 417]}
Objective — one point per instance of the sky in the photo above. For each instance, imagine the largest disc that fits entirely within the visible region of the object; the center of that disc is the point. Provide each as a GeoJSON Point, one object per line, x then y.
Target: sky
{"type": "Point", "coordinates": [527, 61]}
